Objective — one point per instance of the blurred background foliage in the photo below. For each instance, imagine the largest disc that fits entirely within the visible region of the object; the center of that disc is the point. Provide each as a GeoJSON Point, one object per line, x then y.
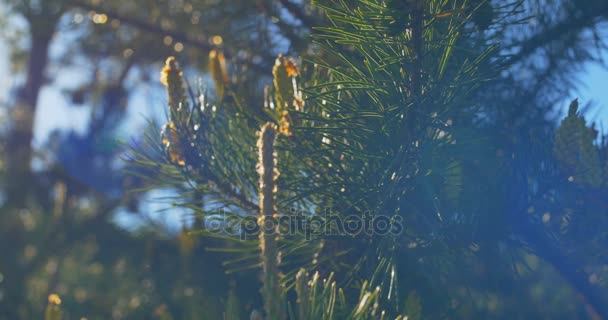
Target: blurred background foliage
{"type": "Point", "coordinates": [456, 128]}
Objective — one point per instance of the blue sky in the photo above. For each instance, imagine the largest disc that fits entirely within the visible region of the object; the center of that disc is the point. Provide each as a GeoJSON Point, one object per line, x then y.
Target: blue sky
{"type": "Point", "coordinates": [595, 87]}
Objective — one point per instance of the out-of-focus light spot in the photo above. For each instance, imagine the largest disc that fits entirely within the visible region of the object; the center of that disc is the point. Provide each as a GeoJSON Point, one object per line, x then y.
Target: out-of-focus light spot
{"type": "Point", "coordinates": [178, 47]}
{"type": "Point", "coordinates": [217, 40]}
{"type": "Point", "coordinates": [51, 267]}
{"type": "Point", "coordinates": [78, 18]}
{"type": "Point", "coordinates": [160, 311]}
{"type": "Point", "coordinates": [54, 299]}
{"type": "Point", "coordinates": [196, 17]}
{"type": "Point", "coordinates": [167, 40]}
{"type": "Point", "coordinates": [188, 292]}
{"type": "Point", "coordinates": [188, 7]}
{"type": "Point", "coordinates": [135, 302]}
{"type": "Point", "coordinates": [27, 218]}
{"type": "Point", "coordinates": [201, 100]}
{"type": "Point", "coordinates": [100, 18]}
{"type": "Point", "coordinates": [120, 266]}
{"type": "Point", "coordinates": [571, 179]}
{"type": "Point", "coordinates": [593, 278]}
{"type": "Point", "coordinates": [165, 24]}
{"type": "Point", "coordinates": [127, 53]}
{"type": "Point", "coordinates": [95, 268]}
{"type": "Point", "coordinates": [546, 217]}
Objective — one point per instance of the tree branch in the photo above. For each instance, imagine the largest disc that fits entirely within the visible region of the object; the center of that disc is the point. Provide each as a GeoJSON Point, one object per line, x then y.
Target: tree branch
{"type": "Point", "coordinates": [568, 26]}
{"type": "Point", "coordinates": [147, 27]}
{"type": "Point", "coordinates": [568, 269]}
{"type": "Point", "coordinates": [198, 42]}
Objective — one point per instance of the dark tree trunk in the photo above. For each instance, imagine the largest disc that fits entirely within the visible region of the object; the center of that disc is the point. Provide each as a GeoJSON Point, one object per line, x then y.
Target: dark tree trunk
{"type": "Point", "coordinates": [19, 142]}
{"type": "Point", "coordinates": [18, 155]}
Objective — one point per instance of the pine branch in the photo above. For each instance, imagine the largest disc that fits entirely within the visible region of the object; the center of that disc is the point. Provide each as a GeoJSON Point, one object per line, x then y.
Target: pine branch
{"type": "Point", "coordinates": [417, 48]}
{"type": "Point", "coordinates": [417, 51]}
{"type": "Point", "coordinates": [228, 190]}
{"type": "Point", "coordinates": [270, 256]}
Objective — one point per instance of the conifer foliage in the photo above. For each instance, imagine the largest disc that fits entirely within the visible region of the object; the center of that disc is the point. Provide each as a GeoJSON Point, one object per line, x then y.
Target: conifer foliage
{"type": "Point", "coordinates": [380, 125]}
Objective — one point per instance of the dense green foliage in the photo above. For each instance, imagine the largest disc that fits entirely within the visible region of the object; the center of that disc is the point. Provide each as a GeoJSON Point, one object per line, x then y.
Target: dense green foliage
{"type": "Point", "coordinates": [416, 114]}
{"type": "Point", "coordinates": [385, 126]}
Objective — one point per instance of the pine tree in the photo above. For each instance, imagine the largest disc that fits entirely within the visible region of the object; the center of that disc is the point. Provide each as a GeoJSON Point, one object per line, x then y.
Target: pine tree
{"type": "Point", "coordinates": [404, 113]}
{"type": "Point", "coordinates": [380, 127]}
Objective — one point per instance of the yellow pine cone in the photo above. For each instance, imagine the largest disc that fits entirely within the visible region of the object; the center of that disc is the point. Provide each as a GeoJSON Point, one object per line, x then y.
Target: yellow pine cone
{"type": "Point", "coordinates": [272, 290]}
{"type": "Point", "coordinates": [303, 294]}
{"type": "Point", "coordinates": [171, 77]}
{"type": "Point", "coordinates": [53, 309]}
{"type": "Point", "coordinates": [219, 72]}
{"type": "Point", "coordinates": [285, 124]}
{"type": "Point", "coordinates": [283, 72]}
{"type": "Point", "coordinates": [172, 145]}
